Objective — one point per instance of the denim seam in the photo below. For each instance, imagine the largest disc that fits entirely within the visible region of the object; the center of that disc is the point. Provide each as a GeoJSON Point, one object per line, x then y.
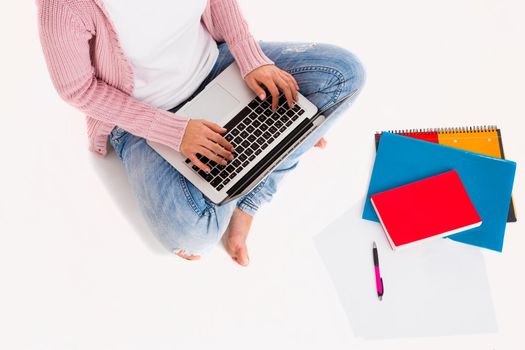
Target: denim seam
{"type": "Point", "coordinates": [245, 207]}
{"type": "Point", "coordinates": [189, 198]}
{"type": "Point", "coordinates": [330, 70]}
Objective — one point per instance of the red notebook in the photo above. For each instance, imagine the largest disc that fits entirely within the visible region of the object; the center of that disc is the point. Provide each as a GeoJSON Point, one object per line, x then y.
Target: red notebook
{"type": "Point", "coordinates": [437, 206]}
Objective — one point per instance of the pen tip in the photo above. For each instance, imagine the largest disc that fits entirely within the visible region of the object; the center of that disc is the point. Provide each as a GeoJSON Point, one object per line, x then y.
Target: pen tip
{"type": "Point", "coordinates": [375, 246]}
{"type": "Point", "coordinates": [380, 297]}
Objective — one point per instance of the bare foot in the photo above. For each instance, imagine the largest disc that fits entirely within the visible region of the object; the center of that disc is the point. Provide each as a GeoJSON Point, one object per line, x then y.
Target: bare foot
{"type": "Point", "coordinates": [321, 143]}
{"type": "Point", "coordinates": [234, 238]}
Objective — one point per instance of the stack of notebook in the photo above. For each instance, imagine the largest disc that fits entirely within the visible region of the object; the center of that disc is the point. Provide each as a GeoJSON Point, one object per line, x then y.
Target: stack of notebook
{"type": "Point", "coordinates": [452, 183]}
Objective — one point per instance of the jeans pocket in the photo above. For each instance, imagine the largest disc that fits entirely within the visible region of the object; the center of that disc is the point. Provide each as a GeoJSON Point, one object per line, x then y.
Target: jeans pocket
{"type": "Point", "coordinates": [197, 200]}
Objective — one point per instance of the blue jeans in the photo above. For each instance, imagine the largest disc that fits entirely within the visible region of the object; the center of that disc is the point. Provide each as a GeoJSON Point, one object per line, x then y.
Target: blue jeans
{"type": "Point", "coordinates": [176, 211]}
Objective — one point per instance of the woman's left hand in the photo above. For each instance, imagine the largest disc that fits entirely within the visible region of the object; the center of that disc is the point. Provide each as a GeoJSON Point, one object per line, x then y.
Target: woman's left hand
{"type": "Point", "coordinates": [274, 79]}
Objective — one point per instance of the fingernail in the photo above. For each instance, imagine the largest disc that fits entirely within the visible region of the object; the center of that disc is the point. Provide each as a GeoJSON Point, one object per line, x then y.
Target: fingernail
{"type": "Point", "coordinates": [261, 96]}
{"type": "Point", "coordinates": [224, 162]}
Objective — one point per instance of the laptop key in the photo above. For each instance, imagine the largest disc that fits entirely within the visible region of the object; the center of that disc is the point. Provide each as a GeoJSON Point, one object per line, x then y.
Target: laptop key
{"type": "Point", "coordinates": [278, 124]}
{"type": "Point", "coordinates": [251, 138]}
{"type": "Point", "coordinates": [236, 162]}
{"type": "Point", "coordinates": [244, 134]}
{"type": "Point", "coordinates": [270, 140]}
{"type": "Point", "coordinates": [245, 163]}
{"type": "Point", "coordinates": [225, 181]}
{"type": "Point", "coordinates": [264, 146]}
{"type": "Point", "coordinates": [277, 133]}
{"type": "Point", "coordinates": [242, 157]}
{"type": "Point", "coordinates": [248, 151]}
{"type": "Point", "coordinates": [245, 143]}
{"type": "Point", "coordinates": [241, 126]}
{"type": "Point", "coordinates": [235, 132]}
{"type": "Point", "coordinates": [215, 182]}
{"type": "Point", "coordinates": [256, 124]}
{"type": "Point", "coordinates": [257, 152]}
{"type": "Point", "coordinates": [228, 137]}
{"type": "Point", "coordinates": [272, 129]}
{"type": "Point", "coordinates": [257, 132]}
{"type": "Point", "coordinates": [253, 104]}
{"type": "Point", "coordinates": [250, 129]}
{"type": "Point", "coordinates": [268, 112]}
{"type": "Point", "coordinates": [215, 171]}
{"type": "Point", "coordinates": [209, 177]}
{"type": "Point", "coordinates": [260, 140]}
{"type": "Point", "coordinates": [283, 129]}
{"type": "Point", "coordinates": [294, 117]}
{"type": "Point", "coordinates": [264, 127]}
{"type": "Point", "coordinates": [252, 157]}
{"type": "Point", "coordinates": [288, 123]}
{"type": "Point", "coordinates": [220, 187]}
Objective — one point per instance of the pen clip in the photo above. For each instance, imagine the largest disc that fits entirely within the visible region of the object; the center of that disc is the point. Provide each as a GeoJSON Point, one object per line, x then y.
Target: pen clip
{"type": "Point", "coordinates": [382, 288]}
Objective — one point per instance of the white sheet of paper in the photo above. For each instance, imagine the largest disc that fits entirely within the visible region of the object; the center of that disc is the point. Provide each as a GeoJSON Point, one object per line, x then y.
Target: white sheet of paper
{"type": "Point", "coordinates": [436, 288]}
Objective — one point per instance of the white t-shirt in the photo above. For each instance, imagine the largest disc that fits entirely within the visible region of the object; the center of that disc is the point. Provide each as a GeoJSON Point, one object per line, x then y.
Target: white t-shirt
{"type": "Point", "coordinates": [170, 51]}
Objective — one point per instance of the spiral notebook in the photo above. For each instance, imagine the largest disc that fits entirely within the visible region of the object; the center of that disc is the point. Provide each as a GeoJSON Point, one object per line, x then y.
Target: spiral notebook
{"type": "Point", "coordinates": [478, 139]}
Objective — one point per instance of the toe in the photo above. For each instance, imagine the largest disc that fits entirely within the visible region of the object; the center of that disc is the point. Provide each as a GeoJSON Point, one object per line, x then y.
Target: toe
{"type": "Point", "coordinates": [242, 257]}
{"type": "Point", "coordinates": [188, 257]}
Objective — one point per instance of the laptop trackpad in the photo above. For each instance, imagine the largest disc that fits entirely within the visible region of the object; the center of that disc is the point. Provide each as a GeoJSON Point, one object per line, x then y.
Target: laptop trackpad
{"type": "Point", "coordinates": [212, 104]}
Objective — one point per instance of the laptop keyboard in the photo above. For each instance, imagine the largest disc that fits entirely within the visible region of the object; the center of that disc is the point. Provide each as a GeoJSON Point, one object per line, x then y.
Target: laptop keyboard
{"type": "Point", "coordinates": [251, 131]}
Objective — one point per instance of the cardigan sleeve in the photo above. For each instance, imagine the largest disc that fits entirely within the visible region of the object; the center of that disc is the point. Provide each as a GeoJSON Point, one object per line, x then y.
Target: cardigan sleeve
{"type": "Point", "coordinates": [65, 43]}
{"type": "Point", "coordinates": [232, 26]}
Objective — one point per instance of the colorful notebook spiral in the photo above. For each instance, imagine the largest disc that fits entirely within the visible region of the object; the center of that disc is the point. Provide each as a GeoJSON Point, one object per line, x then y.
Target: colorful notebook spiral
{"type": "Point", "coordinates": [478, 139]}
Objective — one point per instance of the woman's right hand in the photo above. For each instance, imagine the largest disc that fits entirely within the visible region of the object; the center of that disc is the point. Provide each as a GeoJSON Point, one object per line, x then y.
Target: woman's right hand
{"type": "Point", "coordinates": [199, 137]}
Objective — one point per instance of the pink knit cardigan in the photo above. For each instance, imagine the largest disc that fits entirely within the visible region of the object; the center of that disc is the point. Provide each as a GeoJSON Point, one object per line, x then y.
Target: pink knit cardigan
{"type": "Point", "coordinates": [90, 71]}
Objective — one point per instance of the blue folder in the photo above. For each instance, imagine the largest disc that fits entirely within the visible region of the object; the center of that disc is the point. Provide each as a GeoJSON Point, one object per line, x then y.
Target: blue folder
{"type": "Point", "coordinates": [488, 181]}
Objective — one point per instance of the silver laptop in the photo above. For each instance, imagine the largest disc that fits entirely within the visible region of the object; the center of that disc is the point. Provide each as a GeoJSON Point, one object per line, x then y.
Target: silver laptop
{"type": "Point", "coordinates": [262, 139]}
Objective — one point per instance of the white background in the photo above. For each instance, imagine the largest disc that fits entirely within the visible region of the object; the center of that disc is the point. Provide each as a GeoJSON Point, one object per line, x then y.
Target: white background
{"type": "Point", "coordinates": [79, 269]}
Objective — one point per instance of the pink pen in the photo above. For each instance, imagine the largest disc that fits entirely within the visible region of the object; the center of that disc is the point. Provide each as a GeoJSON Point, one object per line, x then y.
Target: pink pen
{"type": "Point", "coordinates": [379, 280]}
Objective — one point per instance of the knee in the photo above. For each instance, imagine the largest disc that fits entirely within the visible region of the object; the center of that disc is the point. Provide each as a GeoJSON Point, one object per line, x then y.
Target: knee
{"type": "Point", "coordinates": [348, 66]}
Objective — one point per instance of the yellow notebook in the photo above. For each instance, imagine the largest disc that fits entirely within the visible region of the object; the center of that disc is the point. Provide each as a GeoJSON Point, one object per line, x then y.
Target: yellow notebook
{"type": "Point", "coordinates": [479, 139]}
